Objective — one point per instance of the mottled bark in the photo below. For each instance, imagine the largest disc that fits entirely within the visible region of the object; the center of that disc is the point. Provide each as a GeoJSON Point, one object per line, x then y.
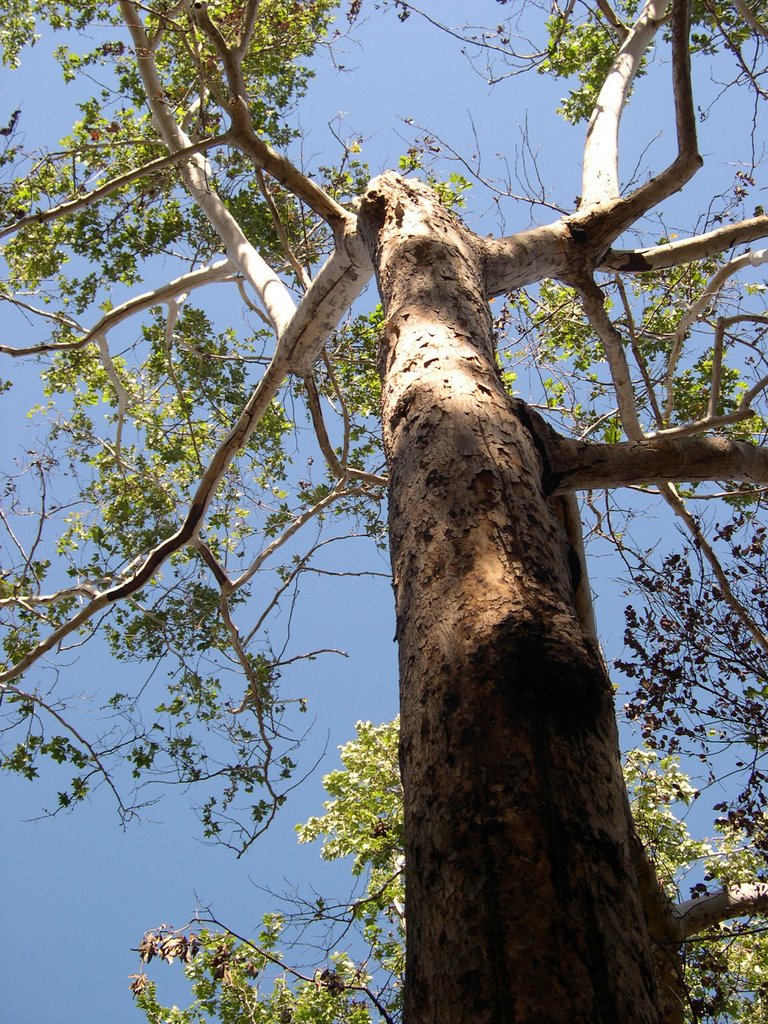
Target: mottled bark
{"type": "Point", "coordinates": [522, 900]}
{"type": "Point", "coordinates": [581, 465]}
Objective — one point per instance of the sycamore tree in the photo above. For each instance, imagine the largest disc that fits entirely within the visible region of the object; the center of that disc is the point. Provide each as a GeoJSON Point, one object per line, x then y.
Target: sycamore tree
{"type": "Point", "coordinates": [501, 376]}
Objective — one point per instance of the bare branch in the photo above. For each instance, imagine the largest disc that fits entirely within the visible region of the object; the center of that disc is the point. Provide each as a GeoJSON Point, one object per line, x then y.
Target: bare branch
{"type": "Point", "coordinates": [593, 302]}
{"type": "Point", "coordinates": [316, 413]}
{"type": "Point", "coordinates": [221, 270]}
{"type": "Point", "coordinates": [600, 175]}
{"type": "Point", "coordinates": [301, 274]}
{"type": "Point", "coordinates": [339, 491]}
{"type": "Point", "coordinates": [524, 258]}
{"type": "Point", "coordinates": [685, 250]}
{"type": "Point", "coordinates": [613, 20]}
{"type": "Point", "coordinates": [120, 393]}
{"type": "Point", "coordinates": [31, 601]}
{"type": "Point", "coordinates": [580, 465]}
{"type": "Point", "coordinates": [99, 766]}
{"type": "Point", "coordinates": [46, 314]}
{"type": "Point", "coordinates": [673, 499]}
{"type": "Point", "coordinates": [701, 912]}
{"type": "Point", "coordinates": [650, 390]}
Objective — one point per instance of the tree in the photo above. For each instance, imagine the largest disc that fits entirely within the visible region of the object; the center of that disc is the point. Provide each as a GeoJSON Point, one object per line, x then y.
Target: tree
{"type": "Point", "coordinates": [528, 895]}
{"type": "Point", "coordinates": [235, 979]}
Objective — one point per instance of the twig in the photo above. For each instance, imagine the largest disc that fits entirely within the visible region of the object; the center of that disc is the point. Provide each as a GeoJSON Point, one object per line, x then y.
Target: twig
{"type": "Point", "coordinates": [340, 491]}
{"type": "Point", "coordinates": [670, 495]}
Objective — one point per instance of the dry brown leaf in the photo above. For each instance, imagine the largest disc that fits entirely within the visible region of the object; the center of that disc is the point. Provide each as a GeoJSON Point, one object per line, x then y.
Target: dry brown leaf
{"type": "Point", "coordinates": [138, 983]}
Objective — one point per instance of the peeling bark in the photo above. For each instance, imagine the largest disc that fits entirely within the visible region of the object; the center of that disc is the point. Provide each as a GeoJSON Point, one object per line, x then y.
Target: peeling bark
{"type": "Point", "coordinates": [522, 899]}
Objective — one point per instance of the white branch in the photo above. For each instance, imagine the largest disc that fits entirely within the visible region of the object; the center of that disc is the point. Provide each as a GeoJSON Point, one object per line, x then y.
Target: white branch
{"type": "Point", "coordinates": [196, 174]}
{"type": "Point", "coordinates": [30, 601]}
{"type": "Point", "coordinates": [709, 423]}
{"type": "Point", "coordinates": [221, 270]}
{"type": "Point", "coordinates": [120, 393]}
{"type": "Point", "coordinates": [705, 300]}
{"type": "Point", "coordinates": [748, 15]}
{"type": "Point", "coordinates": [600, 174]}
{"type": "Point", "coordinates": [685, 250]}
{"type": "Point", "coordinates": [337, 284]}
{"type": "Point", "coordinates": [70, 206]}
{"type": "Point", "coordinates": [702, 912]}
{"type": "Point", "coordinates": [593, 303]}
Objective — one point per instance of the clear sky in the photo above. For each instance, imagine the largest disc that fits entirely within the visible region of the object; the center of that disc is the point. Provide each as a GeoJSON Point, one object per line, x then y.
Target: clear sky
{"type": "Point", "coordinates": [78, 892]}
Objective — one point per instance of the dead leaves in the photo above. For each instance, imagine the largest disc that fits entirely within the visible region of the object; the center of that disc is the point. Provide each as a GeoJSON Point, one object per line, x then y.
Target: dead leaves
{"type": "Point", "coordinates": [138, 983]}
{"type": "Point", "coordinates": [330, 981]}
{"type": "Point", "coordinates": [166, 945]}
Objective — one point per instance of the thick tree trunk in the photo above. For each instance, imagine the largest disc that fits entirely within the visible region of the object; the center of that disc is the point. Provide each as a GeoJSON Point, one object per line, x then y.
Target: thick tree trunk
{"type": "Point", "coordinates": [522, 903]}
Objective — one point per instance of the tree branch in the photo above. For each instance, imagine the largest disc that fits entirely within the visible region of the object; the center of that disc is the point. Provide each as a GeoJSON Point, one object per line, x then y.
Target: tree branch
{"type": "Point", "coordinates": [245, 137]}
{"type": "Point", "coordinates": [675, 502]}
{"type": "Point", "coordinates": [673, 254]}
{"type": "Point", "coordinates": [706, 299]}
{"type": "Point", "coordinates": [579, 465]}
{"type": "Point", "coordinates": [321, 433]}
{"type": "Point", "coordinates": [515, 261]}
{"type": "Point", "coordinates": [600, 174]}
{"type": "Point", "coordinates": [301, 274]}
{"type": "Point", "coordinates": [250, 12]}
{"type": "Point", "coordinates": [153, 167]}
{"type": "Point", "coordinates": [151, 563]}
{"type": "Point", "coordinates": [748, 15]}
{"type": "Point", "coordinates": [338, 492]}
{"type": "Point", "coordinates": [613, 20]}
{"type": "Point", "coordinates": [197, 175]}
{"type": "Point", "coordinates": [702, 912]}
{"type": "Point", "coordinates": [99, 767]}
{"type": "Point", "coordinates": [593, 302]}
{"type": "Point", "coordinates": [634, 345]}
{"type": "Point", "coordinates": [335, 287]}
{"type": "Point", "coordinates": [599, 223]}
{"type": "Point", "coordinates": [221, 270]}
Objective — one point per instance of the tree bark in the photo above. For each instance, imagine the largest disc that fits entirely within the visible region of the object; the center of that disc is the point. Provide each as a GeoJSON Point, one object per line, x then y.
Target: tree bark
{"type": "Point", "coordinates": [522, 901]}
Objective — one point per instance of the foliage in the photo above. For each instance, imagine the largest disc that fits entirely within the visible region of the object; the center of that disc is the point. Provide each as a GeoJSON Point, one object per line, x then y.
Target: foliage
{"type": "Point", "coordinates": [236, 980]}
{"type": "Point", "coordinates": [131, 432]}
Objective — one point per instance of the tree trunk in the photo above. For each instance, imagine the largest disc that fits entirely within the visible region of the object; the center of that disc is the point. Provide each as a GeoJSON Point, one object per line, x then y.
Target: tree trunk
{"type": "Point", "coordinates": [522, 903]}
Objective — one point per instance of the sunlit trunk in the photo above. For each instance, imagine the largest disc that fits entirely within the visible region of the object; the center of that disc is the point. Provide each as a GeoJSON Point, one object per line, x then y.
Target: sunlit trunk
{"type": "Point", "coordinates": [522, 903]}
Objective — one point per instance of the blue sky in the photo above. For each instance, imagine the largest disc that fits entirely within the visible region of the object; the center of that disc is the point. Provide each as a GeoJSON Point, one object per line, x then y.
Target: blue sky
{"type": "Point", "coordinates": [77, 891]}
